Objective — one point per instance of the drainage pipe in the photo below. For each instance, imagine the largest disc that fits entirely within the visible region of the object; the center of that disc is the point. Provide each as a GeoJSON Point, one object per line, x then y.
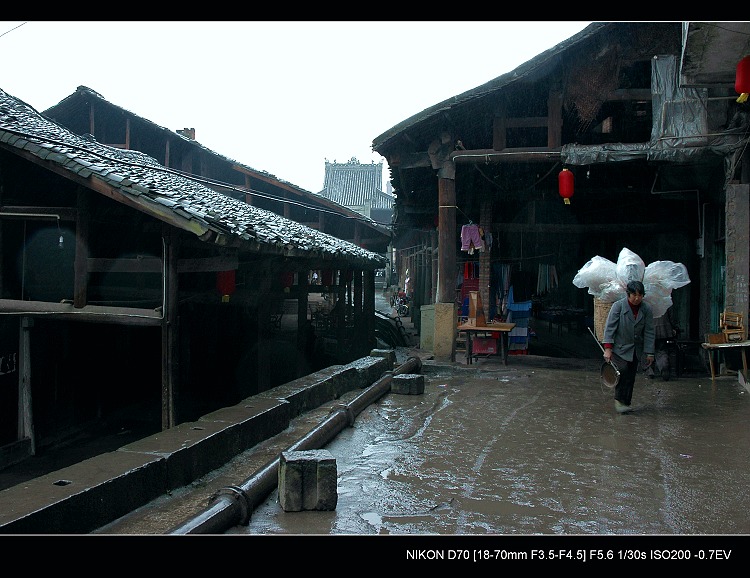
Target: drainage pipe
{"type": "Point", "coordinates": [232, 505]}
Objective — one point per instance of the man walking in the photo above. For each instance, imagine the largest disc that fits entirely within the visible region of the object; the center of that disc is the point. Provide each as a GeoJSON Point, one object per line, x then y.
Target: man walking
{"type": "Point", "coordinates": [629, 338]}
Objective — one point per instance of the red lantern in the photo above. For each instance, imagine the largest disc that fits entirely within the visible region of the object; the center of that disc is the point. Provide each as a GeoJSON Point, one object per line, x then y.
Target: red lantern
{"type": "Point", "coordinates": [327, 279]}
{"type": "Point", "coordinates": [565, 181]}
{"type": "Point", "coordinates": [226, 284]}
{"type": "Point", "coordinates": [742, 79]}
{"type": "Point", "coordinates": [287, 280]}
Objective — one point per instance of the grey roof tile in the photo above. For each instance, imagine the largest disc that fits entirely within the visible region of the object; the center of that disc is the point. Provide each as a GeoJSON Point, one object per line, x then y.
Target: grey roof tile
{"type": "Point", "coordinates": [137, 174]}
{"type": "Point", "coordinates": [355, 184]}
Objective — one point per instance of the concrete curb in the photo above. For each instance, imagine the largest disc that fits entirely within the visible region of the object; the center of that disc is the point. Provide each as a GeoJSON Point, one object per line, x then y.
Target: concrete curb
{"type": "Point", "coordinates": [85, 496]}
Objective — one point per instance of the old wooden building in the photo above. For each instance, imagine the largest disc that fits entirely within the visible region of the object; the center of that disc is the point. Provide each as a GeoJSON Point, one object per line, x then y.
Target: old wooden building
{"type": "Point", "coordinates": [658, 158]}
{"type": "Point", "coordinates": [130, 287]}
{"type": "Point", "coordinates": [85, 111]}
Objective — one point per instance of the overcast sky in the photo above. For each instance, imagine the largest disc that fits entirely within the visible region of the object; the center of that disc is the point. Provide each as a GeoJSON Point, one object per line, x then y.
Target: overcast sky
{"type": "Point", "coordinates": [281, 97]}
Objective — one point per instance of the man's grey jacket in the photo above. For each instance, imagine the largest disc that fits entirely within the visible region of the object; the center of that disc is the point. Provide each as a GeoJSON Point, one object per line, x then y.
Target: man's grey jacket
{"type": "Point", "coordinates": [630, 334]}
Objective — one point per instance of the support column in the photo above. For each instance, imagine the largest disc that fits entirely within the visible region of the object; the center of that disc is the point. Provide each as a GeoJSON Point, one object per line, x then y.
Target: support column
{"type": "Point", "coordinates": [303, 290]}
{"type": "Point", "coordinates": [360, 336]}
{"type": "Point", "coordinates": [737, 252]}
{"type": "Point", "coordinates": [446, 241]}
{"type": "Point", "coordinates": [25, 413]}
{"type": "Point", "coordinates": [369, 308]}
{"type": "Point", "coordinates": [169, 331]}
{"type": "Point", "coordinates": [485, 222]}
{"type": "Point", "coordinates": [433, 266]}
{"type": "Point", "coordinates": [444, 342]}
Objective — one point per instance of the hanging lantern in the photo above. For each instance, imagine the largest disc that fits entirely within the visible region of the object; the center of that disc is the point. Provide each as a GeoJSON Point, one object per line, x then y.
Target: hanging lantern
{"type": "Point", "coordinates": [327, 277]}
{"type": "Point", "coordinates": [742, 79]}
{"type": "Point", "coordinates": [287, 280]}
{"type": "Point", "coordinates": [565, 182]}
{"type": "Point", "coordinates": [226, 284]}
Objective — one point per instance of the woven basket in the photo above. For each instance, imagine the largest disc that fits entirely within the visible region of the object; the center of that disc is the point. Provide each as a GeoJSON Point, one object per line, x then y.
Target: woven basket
{"type": "Point", "coordinates": [601, 310]}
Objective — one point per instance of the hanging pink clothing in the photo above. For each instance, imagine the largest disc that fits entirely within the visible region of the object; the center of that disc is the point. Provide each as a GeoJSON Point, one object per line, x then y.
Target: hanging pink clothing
{"type": "Point", "coordinates": [471, 238]}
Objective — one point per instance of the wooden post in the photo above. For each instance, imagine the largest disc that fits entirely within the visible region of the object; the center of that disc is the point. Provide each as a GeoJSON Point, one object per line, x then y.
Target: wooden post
{"type": "Point", "coordinates": [169, 331]}
{"type": "Point", "coordinates": [433, 266]}
{"type": "Point", "coordinates": [81, 275]}
{"type": "Point", "coordinates": [25, 413]}
{"type": "Point", "coordinates": [360, 333]}
{"type": "Point", "coordinates": [303, 288]}
{"type": "Point", "coordinates": [368, 307]}
{"type": "Point", "coordinates": [485, 263]}
{"type": "Point", "coordinates": [446, 241]}
{"type": "Point", "coordinates": [445, 306]}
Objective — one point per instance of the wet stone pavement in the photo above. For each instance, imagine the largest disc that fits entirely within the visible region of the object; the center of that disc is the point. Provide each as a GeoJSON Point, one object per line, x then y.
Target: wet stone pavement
{"type": "Point", "coordinates": [534, 448]}
{"type": "Point", "coordinates": [501, 456]}
{"type": "Point", "coordinates": [528, 450]}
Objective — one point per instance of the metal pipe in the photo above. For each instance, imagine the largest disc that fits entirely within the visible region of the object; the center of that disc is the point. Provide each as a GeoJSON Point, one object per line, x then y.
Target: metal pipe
{"type": "Point", "coordinates": [488, 155]}
{"type": "Point", "coordinates": [31, 215]}
{"type": "Point", "coordinates": [233, 505]}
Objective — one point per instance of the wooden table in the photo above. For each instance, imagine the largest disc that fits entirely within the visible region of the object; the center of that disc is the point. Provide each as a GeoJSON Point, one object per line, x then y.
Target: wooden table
{"type": "Point", "coordinates": [472, 330]}
{"type": "Point", "coordinates": [741, 345]}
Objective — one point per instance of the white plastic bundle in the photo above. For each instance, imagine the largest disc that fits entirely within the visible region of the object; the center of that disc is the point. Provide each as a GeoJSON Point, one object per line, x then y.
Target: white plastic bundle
{"type": "Point", "coordinates": [597, 274]}
{"type": "Point", "coordinates": [660, 278]}
{"type": "Point", "coordinates": [630, 267]}
{"type": "Point", "coordinates": [607, 280]}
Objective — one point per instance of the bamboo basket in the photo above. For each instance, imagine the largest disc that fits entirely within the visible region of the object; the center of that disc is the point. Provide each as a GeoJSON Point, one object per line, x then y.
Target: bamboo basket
{"type": "Point", "coordinates": [601, 310]}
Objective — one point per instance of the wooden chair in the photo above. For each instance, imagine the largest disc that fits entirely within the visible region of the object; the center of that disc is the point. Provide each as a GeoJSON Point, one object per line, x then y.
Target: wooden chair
{"type": "Point", "coordinates": [731, 325]}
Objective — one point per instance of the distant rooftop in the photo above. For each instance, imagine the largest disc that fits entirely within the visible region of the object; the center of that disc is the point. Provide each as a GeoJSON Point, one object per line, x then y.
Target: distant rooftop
{"type": "Point", "coordinates": [354, 184]}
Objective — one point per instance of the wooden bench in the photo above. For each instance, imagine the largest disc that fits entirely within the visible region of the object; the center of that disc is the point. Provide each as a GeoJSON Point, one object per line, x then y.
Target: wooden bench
{"type": "Point", "coordinates": [712, 346]}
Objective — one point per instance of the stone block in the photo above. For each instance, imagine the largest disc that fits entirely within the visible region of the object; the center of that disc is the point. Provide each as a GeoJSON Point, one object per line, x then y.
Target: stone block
{"type": "Point", "coordinates": [84, 496]}
{"type": "Point", "coordinates": [311, 391]}
{"type": "Point", "coordinates": [387, 354]}
{"type": "Point", "coordinates": [307, 481]}
{"type": "Point", "coordinates": [370, 369]}
{"type": "Point", "coordinates": [408, 384]}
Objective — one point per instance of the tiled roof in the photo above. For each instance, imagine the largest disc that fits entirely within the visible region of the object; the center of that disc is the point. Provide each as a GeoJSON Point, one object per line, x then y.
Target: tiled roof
{"type": "Point", "coordinates": [380, 143]}
{"type": "Point", "coordinates": [157, 189]}
{"type": "Point", "coordinates": [355, 184]}
{"type": "Point", "coordinates": [84, 94]}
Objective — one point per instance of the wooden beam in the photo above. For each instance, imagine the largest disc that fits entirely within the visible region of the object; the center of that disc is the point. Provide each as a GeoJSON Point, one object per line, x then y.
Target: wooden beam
{"type": "Point", "coordinates": [26, 212]}
{"type": "Point", "coordinates": [91, 313]}
{"type": "Point", "coordinates": [526, 122]}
